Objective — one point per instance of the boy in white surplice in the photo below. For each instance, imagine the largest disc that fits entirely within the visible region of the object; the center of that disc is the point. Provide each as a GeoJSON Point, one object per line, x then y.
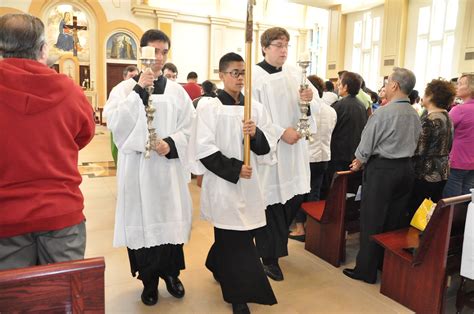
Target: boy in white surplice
{"type": "Point", "coordinates": [231, 196]}
{"type": "Point", "coordinates": [276, 85]}
{"type": "Point", "coordinates": [153, 216]}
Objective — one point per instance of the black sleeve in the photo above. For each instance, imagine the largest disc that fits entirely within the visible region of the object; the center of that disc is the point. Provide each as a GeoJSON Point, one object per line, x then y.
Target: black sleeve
{"type": "Point", "coordinates": [173, 151]}
{"type": "Point", "coordinates": [259, 144]}
{"type": "Point", "coordinates": [226, 168]}
{"type": "Point", "coordinates": [142, 93]}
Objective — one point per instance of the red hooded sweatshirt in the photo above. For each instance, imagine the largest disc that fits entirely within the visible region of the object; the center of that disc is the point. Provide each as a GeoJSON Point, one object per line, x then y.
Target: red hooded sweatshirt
{"type": "Point", "coordinates": [45, 120]}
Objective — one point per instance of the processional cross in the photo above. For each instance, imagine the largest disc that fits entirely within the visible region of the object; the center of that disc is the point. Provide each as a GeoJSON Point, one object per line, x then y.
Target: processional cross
{"type": "Point", "coordinates": [74, 27]}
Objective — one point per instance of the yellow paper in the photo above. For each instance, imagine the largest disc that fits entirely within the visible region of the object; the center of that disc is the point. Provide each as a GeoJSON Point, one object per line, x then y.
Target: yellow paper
{"type": "Point", "coordinates": [423, 214]}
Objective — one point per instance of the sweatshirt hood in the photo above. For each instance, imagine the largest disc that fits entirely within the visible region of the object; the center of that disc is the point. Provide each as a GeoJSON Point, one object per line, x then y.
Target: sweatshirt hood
{"type": "Point", "coordinates": [29, 87]}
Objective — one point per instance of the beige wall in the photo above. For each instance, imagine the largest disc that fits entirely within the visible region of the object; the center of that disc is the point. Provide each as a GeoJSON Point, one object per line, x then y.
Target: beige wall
{"type": "Point", "coordinates": [200, 30]}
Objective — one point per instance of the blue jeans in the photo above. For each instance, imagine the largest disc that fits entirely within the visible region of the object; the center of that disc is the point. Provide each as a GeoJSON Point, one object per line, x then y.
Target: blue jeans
{"type": "Point", "coordinates": [459, 182]}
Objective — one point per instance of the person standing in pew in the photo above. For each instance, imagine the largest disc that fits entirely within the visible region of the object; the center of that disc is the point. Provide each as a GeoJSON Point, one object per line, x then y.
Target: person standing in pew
{"type": "Point", "coordinates": [287, 179]}
{"type": "Point", "coordinates": [45, 120]}
{"type": "Point", "coordinates": [154, 207]}
{"type": "Point", "coordinates": [461, 158]}
{"type": "Point", "coordinates": [351, 119]}
{"type": "Point", "coordinates": [231, 196]}
{"type": "Point", "coordinates": [387, 144]}
{"type": "Point", "coordinates": [431, 159]}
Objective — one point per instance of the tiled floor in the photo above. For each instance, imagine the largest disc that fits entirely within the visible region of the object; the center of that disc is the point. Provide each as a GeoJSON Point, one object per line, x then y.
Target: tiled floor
{"type": "Point", "coordinates": [310, 286]}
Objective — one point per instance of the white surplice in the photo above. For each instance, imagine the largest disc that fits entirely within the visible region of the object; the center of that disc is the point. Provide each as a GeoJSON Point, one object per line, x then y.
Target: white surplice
{"type": "Point", "coordinates": [218, 127]}
{"type": "Point", "coordinates": [278, 92]}
{"type": "Point", "coordinates": [154, 205]}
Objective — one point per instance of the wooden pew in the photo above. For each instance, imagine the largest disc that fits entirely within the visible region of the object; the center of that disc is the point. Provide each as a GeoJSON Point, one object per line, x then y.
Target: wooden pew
{"type": "Point", "coordinates": [67, 287]}
{"type": "Point", "coordinates": [418, 280]}
{"type": "Point", "coordinates": [327, 221]}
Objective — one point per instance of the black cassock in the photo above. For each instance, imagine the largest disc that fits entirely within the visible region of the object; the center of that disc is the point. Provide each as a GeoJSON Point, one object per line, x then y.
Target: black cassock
{"type": "Point", "coordinates": [233, 258]}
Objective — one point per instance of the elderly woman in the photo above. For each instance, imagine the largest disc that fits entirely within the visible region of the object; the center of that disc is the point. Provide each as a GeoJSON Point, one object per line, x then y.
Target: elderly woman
{"type": "Point", "coordinates": [461, 177]}
{"type": "Point", "coordinates": [432, 152]}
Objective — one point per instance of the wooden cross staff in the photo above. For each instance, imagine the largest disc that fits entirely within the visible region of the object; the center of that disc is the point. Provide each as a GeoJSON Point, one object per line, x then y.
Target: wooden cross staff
{"type": "Point", "coordinates": [248, 76]}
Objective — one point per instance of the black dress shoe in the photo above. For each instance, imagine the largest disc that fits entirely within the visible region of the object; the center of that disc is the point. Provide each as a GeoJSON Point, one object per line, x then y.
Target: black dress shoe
{"type": "Point", "coordinates": [174, 286]}
{"type": "Point", "coordinates": [150, 294]}
{"type": "Point", "coordinates": [301, 237]}
{"type": "Point", "coordinates": [273, 271]}
{"type": "Point", "coordinates": [351, 273]}
{"type": "Point", "coordinates": [240, 308]}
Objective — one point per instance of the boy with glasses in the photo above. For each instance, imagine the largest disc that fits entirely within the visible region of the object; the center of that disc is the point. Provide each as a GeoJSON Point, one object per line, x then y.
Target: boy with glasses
{"type": "Point", "coordinates": [231, 197]}
{"type": "Point", "coordinates": [277, 87]}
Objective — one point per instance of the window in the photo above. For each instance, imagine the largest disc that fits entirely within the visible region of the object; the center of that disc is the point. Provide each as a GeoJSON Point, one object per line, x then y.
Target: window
{"type": "Point", "coordinates": [365, 50]}
{"type": "Point", "coordinates": [435, 41]}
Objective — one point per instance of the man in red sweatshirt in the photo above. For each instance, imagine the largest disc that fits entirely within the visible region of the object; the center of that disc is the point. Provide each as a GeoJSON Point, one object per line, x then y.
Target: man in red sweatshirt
{"type": "Point", "coordinates": [45, 120]}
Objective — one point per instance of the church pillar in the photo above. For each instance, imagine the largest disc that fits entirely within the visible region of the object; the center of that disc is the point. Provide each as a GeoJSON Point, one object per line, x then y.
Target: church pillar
{"type": "Point", "coordinates": [393, 35]}
{"type": "Point", "coordinates": [336, 41]}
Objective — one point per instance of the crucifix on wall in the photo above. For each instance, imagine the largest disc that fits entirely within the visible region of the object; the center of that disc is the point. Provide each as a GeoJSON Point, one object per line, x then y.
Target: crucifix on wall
{"type": "Point", "coordinates": [74, 27]}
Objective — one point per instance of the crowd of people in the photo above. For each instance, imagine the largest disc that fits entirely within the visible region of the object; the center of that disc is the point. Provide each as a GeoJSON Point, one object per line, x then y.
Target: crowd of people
{"type": "Point", "coordinates": [406, 154]}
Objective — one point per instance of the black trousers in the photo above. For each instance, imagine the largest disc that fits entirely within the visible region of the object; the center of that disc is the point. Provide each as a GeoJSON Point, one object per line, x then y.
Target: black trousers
{"type": "Point", "coordinates": [234, 261]}
{"type": "Point", "coordinates": [161, 260]}
{"type": "Point", "coordinates": [422, 189]}
{"type": "Point", "coordinates": [386, 189]}
{"type": "Point", "coordinates": [272, 240]}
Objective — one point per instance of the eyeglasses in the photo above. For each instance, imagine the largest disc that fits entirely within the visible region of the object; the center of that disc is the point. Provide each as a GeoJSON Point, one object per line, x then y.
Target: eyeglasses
{"type": "Point", "coordinates": [236, 73]}
{"type": "Point", "coordinates": [281, 46]}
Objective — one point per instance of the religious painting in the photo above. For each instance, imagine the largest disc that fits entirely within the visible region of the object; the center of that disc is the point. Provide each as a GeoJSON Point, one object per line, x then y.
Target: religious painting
{"type": "Point", "coordinates": [69, 65]}
{"type": "Point", "coordinates": [68, 32]}
{"type": "Point", "coordinates": [121, 46]}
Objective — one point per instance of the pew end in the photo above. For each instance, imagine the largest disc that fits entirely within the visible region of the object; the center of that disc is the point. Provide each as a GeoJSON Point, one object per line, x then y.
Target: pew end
{"type": "Point", "coordinates": [418, 279]}
{"type": "Point", "coordinates": [327, 220]}
{"type": "Point", "coordinates": [69, 287]}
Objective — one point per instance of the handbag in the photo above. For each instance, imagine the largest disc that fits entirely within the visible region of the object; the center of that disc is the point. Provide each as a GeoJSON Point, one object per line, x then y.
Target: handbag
{"type": "Point", "coordinates": [423, 214]}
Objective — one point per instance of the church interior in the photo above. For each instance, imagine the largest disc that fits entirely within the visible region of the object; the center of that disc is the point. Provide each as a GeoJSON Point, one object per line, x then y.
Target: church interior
{"type": "Point", "coordinates": [433, 38]}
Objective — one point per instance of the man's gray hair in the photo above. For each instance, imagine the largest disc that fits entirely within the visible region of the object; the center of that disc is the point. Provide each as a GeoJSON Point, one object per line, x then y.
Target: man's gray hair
{"type": "Point", "coordinates": [405, 78]}
{"type": "Point", "coordinates": [21, 36]}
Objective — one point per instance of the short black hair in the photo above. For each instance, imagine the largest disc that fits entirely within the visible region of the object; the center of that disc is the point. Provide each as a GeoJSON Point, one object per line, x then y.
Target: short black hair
{"type": "Point", "coordinates": [170, 66]}
{"type": "Point", "coordinates": [208, 87]}
{"type": "Point", "coordinates": [341, 73]}
{"type": "Point", "coordinates": [152, 35]}
{"type": "Point", "coordinates": [329, 86]}
{"type": "Point", "coordinates": [318, 83]}
{"type": "Point", "coordinates": [362, 82]}
{"type": "Point", "coordinates": [128, 69]}
{"type": "Point", "coordinates": [374, 96]}
{"type": "Point", "coordinates": [192, 75]}
{"type": "Point", "coordinates": [414, 96]}
{"type": "Point", "coordinates": [352, 82]}
{"type": "Point", "coordinates": [228, 58]}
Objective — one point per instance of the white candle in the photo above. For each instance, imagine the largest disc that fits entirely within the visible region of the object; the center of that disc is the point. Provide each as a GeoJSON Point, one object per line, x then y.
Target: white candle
{"type": "Point", "coordinates": [304, 56]}
{"type": "Point", "coordinates": [148, 52]}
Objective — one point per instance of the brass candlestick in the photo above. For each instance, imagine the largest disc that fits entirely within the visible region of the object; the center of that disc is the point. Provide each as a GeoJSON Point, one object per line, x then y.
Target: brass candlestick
{"type": "Point", "coordinates": [302, 127]}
